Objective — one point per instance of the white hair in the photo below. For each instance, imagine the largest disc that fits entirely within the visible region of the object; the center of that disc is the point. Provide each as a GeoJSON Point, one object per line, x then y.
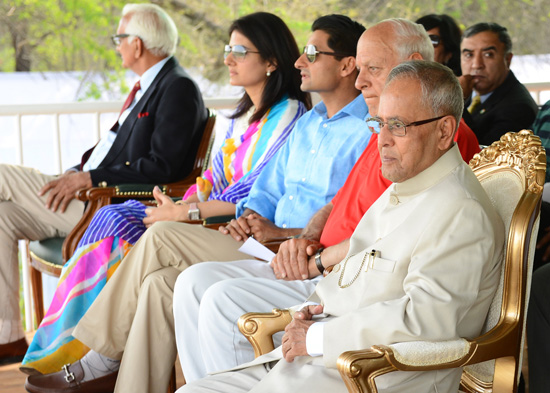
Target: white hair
{"type": "Point", "coordinates": [153, 25]}
{"type": "Point", "coordinates": [410, 38]}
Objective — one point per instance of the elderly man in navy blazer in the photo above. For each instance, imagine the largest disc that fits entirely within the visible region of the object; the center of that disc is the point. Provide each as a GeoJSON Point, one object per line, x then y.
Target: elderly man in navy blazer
{"type": "Point", "coordinates": [153, 140]}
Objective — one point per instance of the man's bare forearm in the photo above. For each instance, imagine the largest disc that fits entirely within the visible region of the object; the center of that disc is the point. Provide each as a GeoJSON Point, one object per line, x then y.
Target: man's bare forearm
{"type": "Point", "coordinates": [316, 224]}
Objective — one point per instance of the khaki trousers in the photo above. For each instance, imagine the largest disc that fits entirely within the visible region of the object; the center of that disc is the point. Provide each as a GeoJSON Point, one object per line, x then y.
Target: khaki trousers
{"type": "Point", "coordinates": [23, 216]}
{"type": "Point", "coordinates": [132, 318]}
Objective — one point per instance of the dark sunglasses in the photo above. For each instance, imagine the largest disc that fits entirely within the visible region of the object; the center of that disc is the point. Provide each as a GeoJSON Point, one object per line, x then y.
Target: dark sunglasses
{"type": "Point", "coordinates": [311, 53]}
{"type": "Point", "coordinates": [239, 52]}
{"type": "Point", "coordinates": [436, 40]}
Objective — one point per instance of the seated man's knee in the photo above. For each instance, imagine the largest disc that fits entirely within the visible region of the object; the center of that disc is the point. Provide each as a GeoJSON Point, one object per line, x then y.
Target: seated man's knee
{"type": "Point", "coordinates": [162, 280]}
{"type": "Point", "coordinates": [193, 282]}
{"type": "Point", "coordinates": [226, 297]}
{"type": "Point", "coordinates": [160, 229]}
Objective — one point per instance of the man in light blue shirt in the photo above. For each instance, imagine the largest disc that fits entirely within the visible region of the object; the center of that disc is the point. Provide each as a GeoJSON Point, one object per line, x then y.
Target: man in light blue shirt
{"type": "Point", "coordinates": [304, 175]}
{"type": "Point", "coordinates": [310, 168]}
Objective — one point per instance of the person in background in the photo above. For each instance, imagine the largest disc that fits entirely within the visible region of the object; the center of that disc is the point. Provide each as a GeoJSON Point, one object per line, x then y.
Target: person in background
{"type": "Point", "coordinates": [445, 36]}
{"type": "Point", "coordinates": [154, 140]}
{"type": "Point", "coordinates": [496, 101]}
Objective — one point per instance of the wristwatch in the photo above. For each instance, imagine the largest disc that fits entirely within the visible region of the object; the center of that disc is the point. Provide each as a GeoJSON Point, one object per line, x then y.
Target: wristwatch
{"type": "Point", "coordinates": [193, 213]}
{"type": "Point", "coordinates": [318, 262]}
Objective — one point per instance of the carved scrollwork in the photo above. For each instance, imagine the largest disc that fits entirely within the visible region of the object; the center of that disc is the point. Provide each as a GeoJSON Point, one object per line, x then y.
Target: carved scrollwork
{"type": "Point", "coordinates": [518, 149]}
{"type": "Point", "coordinates": [249, 327]}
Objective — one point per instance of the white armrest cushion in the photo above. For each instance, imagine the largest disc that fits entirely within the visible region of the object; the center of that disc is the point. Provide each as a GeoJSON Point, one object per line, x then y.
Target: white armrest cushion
{"type": "Point", "coordinates": [425, 353]}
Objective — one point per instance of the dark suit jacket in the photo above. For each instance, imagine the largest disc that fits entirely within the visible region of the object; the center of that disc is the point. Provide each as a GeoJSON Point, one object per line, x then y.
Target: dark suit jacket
{"type": "Point", "coordinates": [158, 140]}
{"type": "Point", "coordinates": [509, 108]}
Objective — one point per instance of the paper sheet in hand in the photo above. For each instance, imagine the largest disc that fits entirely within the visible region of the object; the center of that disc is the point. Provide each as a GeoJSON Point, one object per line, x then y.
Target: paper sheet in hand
{"type": "Point", "coordinates": [257, 250]}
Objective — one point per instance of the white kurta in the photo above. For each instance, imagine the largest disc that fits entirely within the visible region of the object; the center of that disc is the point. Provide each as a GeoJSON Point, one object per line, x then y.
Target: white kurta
{"type": "Point", "coordinates": [439, 245]}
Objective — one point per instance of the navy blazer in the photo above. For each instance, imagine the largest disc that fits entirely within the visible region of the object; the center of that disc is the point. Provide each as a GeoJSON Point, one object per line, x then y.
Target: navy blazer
{"type": "Point", "coordinates": [158, 140]}
{"type": "Point", "coordinates": [509, 108]}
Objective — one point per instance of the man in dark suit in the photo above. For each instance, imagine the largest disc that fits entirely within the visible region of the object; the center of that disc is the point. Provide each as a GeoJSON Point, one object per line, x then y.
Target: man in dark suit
{"type": "Point", "coordinates": [497, 102]}
{"type": "Point", "coordinates": [153, 140]}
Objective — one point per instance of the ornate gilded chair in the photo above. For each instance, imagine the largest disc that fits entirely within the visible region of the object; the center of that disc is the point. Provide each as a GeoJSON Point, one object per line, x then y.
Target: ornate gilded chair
{"type": "Point", "coordinates": [49, 255]}
{"type": "Point", "coordinates": [512, 172]}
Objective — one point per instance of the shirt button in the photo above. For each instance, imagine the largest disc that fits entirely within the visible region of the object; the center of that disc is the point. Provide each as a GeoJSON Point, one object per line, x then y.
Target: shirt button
{"type": "Point", "coordinates": [127, 163]}
{"type": "Point", "coordinates": [325, 125]}
{"type": "Point", "coordinates": [303, 179]}
{"type": "Point", "coordinates": [291, 197]}
{"type": "Point", "coordinates": [312, 151]}
{"type": "Point", "coordinates": [394, 200]}
{"type": "Point", "coordinates": [284, 225]}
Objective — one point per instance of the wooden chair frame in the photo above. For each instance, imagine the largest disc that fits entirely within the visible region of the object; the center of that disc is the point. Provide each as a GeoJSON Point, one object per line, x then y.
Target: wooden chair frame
{"type": "Point", "coordinates": [522, 153]}
{"type": "Point", "coordinates": [97, 197]}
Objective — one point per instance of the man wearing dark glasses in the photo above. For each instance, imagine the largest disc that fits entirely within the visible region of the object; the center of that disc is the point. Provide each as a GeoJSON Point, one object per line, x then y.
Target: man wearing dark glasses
{"type": "Point", "coordinates": [153, 140]}
{"type": "Point", "coordinates": [496, 101]}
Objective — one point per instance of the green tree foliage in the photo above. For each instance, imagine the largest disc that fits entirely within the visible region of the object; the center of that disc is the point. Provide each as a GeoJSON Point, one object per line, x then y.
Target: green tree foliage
{"type": "Point", "coordinates": [58, 35]}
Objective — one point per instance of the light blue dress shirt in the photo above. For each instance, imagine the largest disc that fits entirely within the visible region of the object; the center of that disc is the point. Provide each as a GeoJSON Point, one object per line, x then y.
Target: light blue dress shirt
{"type": "Point", "coordinates": [104, 145]}
{"type": "Point", "coordinates": [310, 168]}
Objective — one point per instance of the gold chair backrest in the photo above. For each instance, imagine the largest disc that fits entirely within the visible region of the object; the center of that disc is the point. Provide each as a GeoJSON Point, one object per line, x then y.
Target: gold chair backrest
{"type": "Point", "coordinates": [512, 173]}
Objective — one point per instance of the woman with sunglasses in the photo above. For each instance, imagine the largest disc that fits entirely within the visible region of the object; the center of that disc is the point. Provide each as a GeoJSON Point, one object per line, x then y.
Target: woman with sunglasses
{"type": "Point", "coordinates": [260, 58]}
{"type": "Point", "coordinates": [445, 35]}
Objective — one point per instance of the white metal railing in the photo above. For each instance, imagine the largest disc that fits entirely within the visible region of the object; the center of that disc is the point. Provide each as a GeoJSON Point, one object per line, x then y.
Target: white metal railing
{"type": "Point", "coordinates": [537, 88]}
{"type": "Point", "coordinates": [95, 108]}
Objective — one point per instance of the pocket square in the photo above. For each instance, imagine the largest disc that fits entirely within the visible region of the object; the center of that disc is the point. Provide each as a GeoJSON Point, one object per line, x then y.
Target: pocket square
{"type": "Point", "coordinates": [143, 114]}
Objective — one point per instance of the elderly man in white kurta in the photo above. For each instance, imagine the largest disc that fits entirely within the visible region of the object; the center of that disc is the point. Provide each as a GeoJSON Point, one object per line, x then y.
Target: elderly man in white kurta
{"type": "Point", "coordinates": [423, 263]}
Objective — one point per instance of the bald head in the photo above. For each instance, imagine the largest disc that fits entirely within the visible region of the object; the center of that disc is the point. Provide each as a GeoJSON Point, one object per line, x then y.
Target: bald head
{"type": "Point", "coordinates": [382, 47]}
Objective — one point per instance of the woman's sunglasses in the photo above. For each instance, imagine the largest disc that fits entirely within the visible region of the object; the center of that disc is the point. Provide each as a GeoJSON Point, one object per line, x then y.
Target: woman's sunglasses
{"type": "Point", "coordinates": [239, 52]}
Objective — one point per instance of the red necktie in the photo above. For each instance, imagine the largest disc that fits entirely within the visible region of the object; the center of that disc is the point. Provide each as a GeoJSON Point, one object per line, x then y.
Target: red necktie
{"type": "Point", "coordinates": [127, 104]}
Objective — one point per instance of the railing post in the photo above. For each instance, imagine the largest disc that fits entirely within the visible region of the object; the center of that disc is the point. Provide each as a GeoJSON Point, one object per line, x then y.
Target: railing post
{"type": "Point", "coordinates": [19, 140]}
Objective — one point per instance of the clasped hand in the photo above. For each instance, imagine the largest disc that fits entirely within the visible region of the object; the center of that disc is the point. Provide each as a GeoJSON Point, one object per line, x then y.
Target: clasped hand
{"type": "Point", "coordinates": [294, 339]}
{"type": "Point", "coordinates": [253, 224]}
{"type": "Point", "coordinates": [292, 260]}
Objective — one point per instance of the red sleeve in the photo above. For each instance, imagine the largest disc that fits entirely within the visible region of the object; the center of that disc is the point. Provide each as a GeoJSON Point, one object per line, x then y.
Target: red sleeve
{"type": "Point", "coordinates": [466, 141]}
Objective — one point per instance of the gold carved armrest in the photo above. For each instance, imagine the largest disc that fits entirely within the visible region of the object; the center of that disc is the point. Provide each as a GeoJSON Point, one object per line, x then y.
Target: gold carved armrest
{"type": "Point", "coordinates": [259, 328]}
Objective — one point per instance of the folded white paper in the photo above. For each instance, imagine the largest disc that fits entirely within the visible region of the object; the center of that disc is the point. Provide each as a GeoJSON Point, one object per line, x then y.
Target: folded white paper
{"type": "Point", "coordinates": [257, 250]}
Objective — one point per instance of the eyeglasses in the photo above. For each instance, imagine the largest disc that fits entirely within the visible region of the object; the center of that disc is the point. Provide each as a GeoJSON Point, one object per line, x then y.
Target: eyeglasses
{"type": "Point", "coordinates": [117, 38]}
{"type": "Point", "coordinates": [239, 52]}
{"type": "Point", "coordinates": [311, 53]}
{"type": "Point", "coordinates": [396, 127]}
{"type": "Point", "coordinates": [436, 40]}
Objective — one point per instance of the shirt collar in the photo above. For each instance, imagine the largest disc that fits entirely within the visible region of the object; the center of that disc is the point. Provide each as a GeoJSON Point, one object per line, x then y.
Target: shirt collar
{"type": "Point", "coordinates": [431, 175]}
{"type": "Point", "coordinates": [356, 108]}
{"type": "Point", "coordinates": [149, 76]}
{"type": "Point", "coordinates": [483, 97]}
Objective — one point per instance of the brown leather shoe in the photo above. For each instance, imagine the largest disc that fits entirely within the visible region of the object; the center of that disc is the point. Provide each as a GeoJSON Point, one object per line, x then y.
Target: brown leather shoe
{"type": "Point", "coordinates": [70, 380]}
{"type": "Point", "coordinates": [13, 352]}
